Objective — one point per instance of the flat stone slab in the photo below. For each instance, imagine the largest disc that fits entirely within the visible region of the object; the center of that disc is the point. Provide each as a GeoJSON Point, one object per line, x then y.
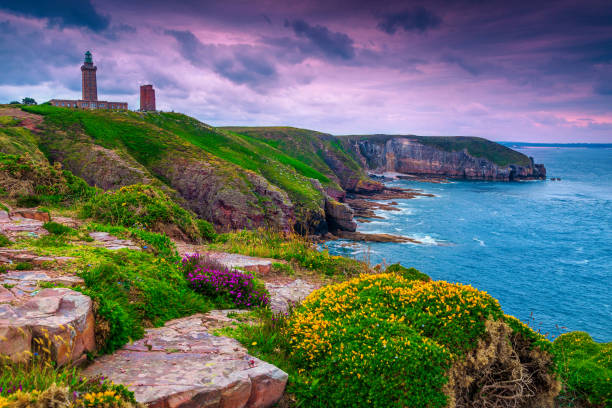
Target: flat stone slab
{"type": "Point", "coordinates": [16, 226]}
{"type": "Point", "coordinates": [10, 256]}
{"type": "Point", "coordinates": [183, 365]}
{"type": "Point", "coordinates": [56, 321]}
{"type": "Point", "coordinates": [282, 295]}
{"type": "Point", "coordinates": [108, 241]}
{"type": "Point", "coordinates": [262, 266]}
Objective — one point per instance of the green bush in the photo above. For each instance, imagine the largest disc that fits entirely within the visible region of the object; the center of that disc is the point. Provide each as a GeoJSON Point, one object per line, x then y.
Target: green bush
{"type": "Point", "coordinates": [384, 341]}
{"type": "Point", "coordinates": [142, 206]}
{"type": "Point", "coordinates": [4, 241]}
{"type": "Point", "coordinates": [585, 368]}
{"type": "Point", "coordinates": [207, 230]}
{"type": "Point", "coordinates": [407, 273]}
{"type": "Point", "coordinates": [57, 229]}
{"type": "Point", "coordinates": [136, 289]}
{"type": "Point", "coordinates": [28, 201]}
{"type": "Point", "coordinates": [34, 182]}
{"type": "Point", "coordinates": [40, 383]}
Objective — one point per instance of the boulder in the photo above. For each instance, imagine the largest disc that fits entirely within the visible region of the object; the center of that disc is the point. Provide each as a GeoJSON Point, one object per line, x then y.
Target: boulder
{"type": "Point", "coordinates": [58, 322]}
{"type": "Point", "coordinates": [183, 365]}
{"type": "Point", "coordinates": [339, 216]}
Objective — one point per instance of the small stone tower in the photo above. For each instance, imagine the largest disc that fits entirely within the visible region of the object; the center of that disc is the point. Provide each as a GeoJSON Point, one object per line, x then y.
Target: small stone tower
{"type": "Point", "coordinates": [147, 98]}
{"type": "Point", "coordinates": [88, 71]}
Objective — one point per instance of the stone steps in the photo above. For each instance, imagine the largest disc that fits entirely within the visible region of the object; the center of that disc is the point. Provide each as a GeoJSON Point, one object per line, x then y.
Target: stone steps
{"type": "Point", "coordinates": [183, 365]}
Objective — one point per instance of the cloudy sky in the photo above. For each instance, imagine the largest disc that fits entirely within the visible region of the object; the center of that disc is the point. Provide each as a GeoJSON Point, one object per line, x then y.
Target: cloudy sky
{"type": "Point", "coordinates": [536, 71]}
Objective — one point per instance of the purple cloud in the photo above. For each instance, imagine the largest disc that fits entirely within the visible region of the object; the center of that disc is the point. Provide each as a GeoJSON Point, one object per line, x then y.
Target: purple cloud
{"type": "Point", "coordinates": [524, 70]}
{"type": "Point", "coordinates": [416, 19]}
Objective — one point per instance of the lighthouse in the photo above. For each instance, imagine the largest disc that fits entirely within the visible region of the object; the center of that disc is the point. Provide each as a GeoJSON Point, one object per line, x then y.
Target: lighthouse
{"type": "Point", "coordinates": [88, 71]}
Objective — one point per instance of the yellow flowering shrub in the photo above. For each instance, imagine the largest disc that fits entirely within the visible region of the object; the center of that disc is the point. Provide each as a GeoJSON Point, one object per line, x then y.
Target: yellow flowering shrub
{"type": "Point", "coordinates": [102, 399]}
{"type": "Point", "coordinates": [384, 341]}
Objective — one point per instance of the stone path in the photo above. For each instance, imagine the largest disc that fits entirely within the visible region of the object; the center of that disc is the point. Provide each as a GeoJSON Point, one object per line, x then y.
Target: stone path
{"type": "Point", "coordinates": [108, 241]}
{"type": "Point", "coordinates": [263, 266]}
{"type": "Point", "coordinates": [23, 224]}
{"type": "Point", "coordinates": [183, 365]}
{"type": "Point", "coordinates": [283, 294]}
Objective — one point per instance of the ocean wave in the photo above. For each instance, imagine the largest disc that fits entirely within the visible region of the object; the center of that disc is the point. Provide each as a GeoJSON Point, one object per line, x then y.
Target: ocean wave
{"type": "Point", "coordinates": [574, 261]}
{"type": "Point", "coordinates": [425, 239]}
{"type": "Point", "coordinates": [480, 241]}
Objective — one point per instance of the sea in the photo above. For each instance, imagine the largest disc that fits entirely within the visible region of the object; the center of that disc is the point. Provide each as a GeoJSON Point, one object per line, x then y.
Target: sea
{"type": "Point", "coordinates": [542, 248]}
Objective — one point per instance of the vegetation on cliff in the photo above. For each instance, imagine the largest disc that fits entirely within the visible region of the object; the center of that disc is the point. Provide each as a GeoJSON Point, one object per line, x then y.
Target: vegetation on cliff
{"type": "Point", "coordinates": [475, 146]}
{"type": "Point", "coordinates": [585, 367]}
{"type": "Point", "coordinates": [149, 147]}
{"type": "Point", "coordinates": [382, 340]}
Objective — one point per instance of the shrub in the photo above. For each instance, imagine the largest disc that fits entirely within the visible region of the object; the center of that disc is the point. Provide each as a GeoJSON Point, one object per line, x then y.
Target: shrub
{"type": "Point", "coordinates": [207, 230]}
{"type": "Point", "coordinates": [28, 201]}
{"type": "Point", "coordinates": [381, 340]}
{"type": "Point", "coordinates": [4, 241]}
{"type": "Point", "coordinates": [242, 289]}
{"type": "Point", "coordinates": [134, 290]}
{"type": "Point", "coordinates": [57, 229]}
{"type": "Point", "coordinates": [39, 383]}
{"type": "Point", "coordinates": [33, 182]}
{"type": "Point", "coordinates": [145, 206]}
{"type": "Point", "coordinates": [585, 368]}
{"type": "Point", "coordinates": [407, 273]}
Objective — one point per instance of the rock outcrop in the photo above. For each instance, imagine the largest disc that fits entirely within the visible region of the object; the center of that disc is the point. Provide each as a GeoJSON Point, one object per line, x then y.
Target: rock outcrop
{"type": "Point", "coordinates": [230, 202]}
{"type": "Point", "coordinates": [183, 365]}
{"type": "Point", "coordinates": [404, 154]}
{"type": "Point", "coordinates": [58, 322]}
{"type": "Point", "coordinates": [339, 216]}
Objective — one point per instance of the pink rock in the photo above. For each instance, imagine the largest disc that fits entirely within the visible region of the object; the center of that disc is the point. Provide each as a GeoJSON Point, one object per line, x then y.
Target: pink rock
{"type": "Point", "coordinates": [183, 365]}
{"type": "Point", "coordinates": [60, 317]}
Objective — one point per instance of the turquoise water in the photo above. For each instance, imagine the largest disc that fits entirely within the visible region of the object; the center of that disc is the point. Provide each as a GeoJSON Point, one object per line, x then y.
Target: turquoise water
{"type": "Point", "coordinates": [543, 248]}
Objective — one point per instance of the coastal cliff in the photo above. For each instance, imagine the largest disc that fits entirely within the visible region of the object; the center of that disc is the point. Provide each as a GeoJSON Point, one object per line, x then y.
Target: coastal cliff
{"type": "Point", "coordinates": [282, 178]}
{"type": "Point", "coordinates": [461, 157]}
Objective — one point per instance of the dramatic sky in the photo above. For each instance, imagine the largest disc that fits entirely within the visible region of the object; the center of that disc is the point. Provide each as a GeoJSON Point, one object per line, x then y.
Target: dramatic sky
{"type": "Point", "coordinates": [505, 70]}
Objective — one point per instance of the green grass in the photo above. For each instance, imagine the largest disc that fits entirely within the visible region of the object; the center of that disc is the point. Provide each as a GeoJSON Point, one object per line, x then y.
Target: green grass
{"type": "Point", "coordinates": [19, 141]}
{"type": "Point", "coordinates": [313, 148]}
{"type": "Point", "coordinates": [289, 247]}
{"type": "Point", "coordinates": [109, 129]}
{"type": "Point", "coordinates": [131, 289]}
{"type": "Point", "coordinates": [155, 140]}
{"type": "Point", "coordinates": [57, 228]}
{"type": "Point", "coordinates": [39, 383]}
{"type": "Point", "coordinates": [4, 241]}
{"type": "Point", "coordinates": [585, 368]}
{"type": "Point", "coordinates": [284, 171]}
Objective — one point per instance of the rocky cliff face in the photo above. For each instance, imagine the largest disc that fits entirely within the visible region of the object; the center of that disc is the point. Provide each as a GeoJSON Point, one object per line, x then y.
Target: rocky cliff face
{"type": "Point", "coordinates": [409, 156]}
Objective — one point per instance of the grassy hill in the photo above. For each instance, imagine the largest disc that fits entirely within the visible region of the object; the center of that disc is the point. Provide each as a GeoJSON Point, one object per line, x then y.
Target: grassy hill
{"type": "Point", "coordinates": [254, 179]}
{"type": "Point", "coordinates": [320, 151]}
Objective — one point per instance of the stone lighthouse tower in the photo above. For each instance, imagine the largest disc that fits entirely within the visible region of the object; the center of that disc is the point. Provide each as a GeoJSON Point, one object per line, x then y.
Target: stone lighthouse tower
{"type": "Point", "coordinates": [90, 87]}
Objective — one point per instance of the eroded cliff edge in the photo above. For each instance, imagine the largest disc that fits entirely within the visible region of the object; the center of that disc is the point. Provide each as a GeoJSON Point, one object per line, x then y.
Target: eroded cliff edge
{"type": "Point", "coordinates": [467, 158]}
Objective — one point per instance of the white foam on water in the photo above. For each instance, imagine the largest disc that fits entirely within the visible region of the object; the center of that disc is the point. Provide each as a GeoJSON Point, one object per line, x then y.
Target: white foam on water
{"type": "Point", "coordinates": [425, 239]}
{"type": "Point", "coordinates": [480, 242]}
